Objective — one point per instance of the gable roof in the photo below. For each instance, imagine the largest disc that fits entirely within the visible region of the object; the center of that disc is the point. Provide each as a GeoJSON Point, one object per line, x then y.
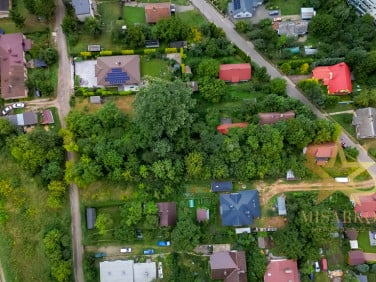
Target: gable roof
{"type": "Point", "coordinates": [238, 209]}
{"type": "Point", "coordinates": [230, 266]}
{"type": "Point", "coordinates": [47, 117]}
{"type": "Point", "coordinates": [366, 205]}
{"type": "Point", "coordinates": [118, 70]}
{"type": "Point", "coordinates": [291, 28]}
{"type": "Point", "coordinates": [235, 72]}
{"type": "Point", "coordinates": [167, 213]}
{"type": "Point", "coordinates": [157, 11]}
{"type": "Point", "coordinates": [337, 78]}
{"type": "Point", "coordinates": [81, 7]}
{"type": "Point", "coordinates": [91, 216]}
{"type": "Point", "coordinates": [364, 121]}
{"type": "Point", "coordinates": [224, 128]}
{"type": "Point", "coordinates": [240, 6]}
{"type": "Point", "coordinates": [221, 186]}
{"type": "Point", "coordinates": [322, 152]}
{"type": "Point", "coordinates": [282, 271]}
{"type": "Point", "coordinates": [202, 215]}
{"type": "Point", "coordinates": [13, 70]}
{"type": "Point", "coordinates": [127, 271]}
{"type": "Point", "coordinates": [281, 205]}
{"type": "Point", "coordinates": [24, 119]}
{"type": "Point", "coordinates": [352, 234]}
{"type": "Point", "coordinates": [271, 118]}
{"type": "Point", "coordinates": [356, 257]}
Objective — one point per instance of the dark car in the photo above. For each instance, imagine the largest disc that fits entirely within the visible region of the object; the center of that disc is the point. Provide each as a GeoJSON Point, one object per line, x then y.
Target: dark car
{"type": "Point", "coordinates": [273, 13]}
{"type": "Point", "coordinates": [139, 234]}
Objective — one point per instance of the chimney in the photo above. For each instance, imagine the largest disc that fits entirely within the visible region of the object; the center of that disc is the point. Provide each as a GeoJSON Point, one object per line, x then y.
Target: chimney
{"type": "Point", "coordinates": [118, 63]}
{"type": "Point", "coordinates": [330, 75]}
{"type": "Point", "coordinates": [288, 270]}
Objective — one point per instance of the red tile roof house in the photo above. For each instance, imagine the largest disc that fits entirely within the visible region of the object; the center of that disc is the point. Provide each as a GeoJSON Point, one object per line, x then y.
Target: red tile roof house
{"type": "Point", "coordinates": [235, 72]}
{"type": "Point", "coordinates": [229, 266]}
{"type": "Point", "coordinates": [356, 257]}
{"type": "Point", "coordinates": [224, 128]}
{"type": "Point", "coordinates": [13, 65]}
{"type": "Point", "coordinates": [157, 11]}
{"type": "Point", "coordinates": [271, 118]}
{"type": "Point", "coordinates": [337, 78]}
{"type": "Point", "coordinates": [282, 271]}
{"type": "Point", "coordinates": [364, 205]}
{"type": "Point", "coordinates": [322, 152]}
{"type": "Point", "coordinates": [167, 213]}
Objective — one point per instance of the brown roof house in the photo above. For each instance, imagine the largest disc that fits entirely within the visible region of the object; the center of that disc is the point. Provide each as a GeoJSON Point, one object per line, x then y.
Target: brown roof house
{"type": "Point", "coordinates": [322, 152]}
{"type": "Point", "coordinates": [356, 257]}
{"type": "Point", "coordinates": [271, 118]}
{"type": "Point", "coordinates": [229, 266]}
{"type": "Point", "coordinates": [285, 270]}
{"type": "Point", "coordinates": [118, 70]}
{"type": "Point", "coordinates": [202, 215]}
{"type": "Point", "coordinates": [13, 65]}
{"type": "Point", "coordinates": [157, 11]}
{"type": "Point", "coordinates": [167, 213]}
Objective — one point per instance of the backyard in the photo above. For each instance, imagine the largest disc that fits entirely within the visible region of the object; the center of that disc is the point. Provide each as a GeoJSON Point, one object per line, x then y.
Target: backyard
{"type": "Point", "coordinates": [290, 7]}
{"type": "Point", "coordinates": [363, 240]}
{"type": "Point", "coordinates": [133, 15]}
{"type": "Point", "coordinates": [155, 67]}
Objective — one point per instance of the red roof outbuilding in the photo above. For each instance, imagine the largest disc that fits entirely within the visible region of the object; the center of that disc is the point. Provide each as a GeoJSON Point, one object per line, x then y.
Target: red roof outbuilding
{"type": "Point", "coordinates": [224, 128]}
{"type": "Point", "coordinates": [356, 257]}
{"type": "Point", "coordinates": [157, 11]}
{"type": "Point", "coordinates": [337, 78]}
{"type": "Point", "coordinates": [366, 206]}
{"type": "Point", "coordinates": [282, 270]}
{"type": "Point", "coordinates": [235, 72]}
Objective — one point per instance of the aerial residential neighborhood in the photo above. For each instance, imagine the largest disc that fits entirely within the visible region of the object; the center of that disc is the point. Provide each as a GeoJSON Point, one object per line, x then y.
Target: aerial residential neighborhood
{"type": "Point", "coordinates": [187, 140]}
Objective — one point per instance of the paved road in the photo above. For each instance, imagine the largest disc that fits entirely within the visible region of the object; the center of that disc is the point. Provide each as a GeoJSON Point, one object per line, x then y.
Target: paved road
{"type": "Point", "coordinates": [64, 89]}
{"type": "Point", "coordinates": [246, 46]}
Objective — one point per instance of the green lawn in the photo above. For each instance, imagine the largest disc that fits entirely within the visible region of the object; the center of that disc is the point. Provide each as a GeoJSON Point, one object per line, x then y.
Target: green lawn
{"type": "Point", "coordinates": [154, 67]}
{"type": "Point", "coordinates": [192, 18]}
{"type": "Point", "coordinates": [321, 277]}
{"type": "Point", "coordinates": [345, 120]}
{"type": "Point", "coordinates": [363, 240]}
{"type": "Point", "coordinates": [340, 108]}
{"type": "Point", "coordinates": [241, 91]}
{"type": "Point", "coordinates": [133, 15]}
{"type": "Point", "coordinates": [289, 7]}
{"type": "Point", "coordinates": [178, 2]}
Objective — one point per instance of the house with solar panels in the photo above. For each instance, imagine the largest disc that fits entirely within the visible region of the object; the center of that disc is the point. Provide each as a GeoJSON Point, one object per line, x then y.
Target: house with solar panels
{"type": "Point", "coordinates": [240, 9]}
{"type": "Point", "coordinates": [118, 71]}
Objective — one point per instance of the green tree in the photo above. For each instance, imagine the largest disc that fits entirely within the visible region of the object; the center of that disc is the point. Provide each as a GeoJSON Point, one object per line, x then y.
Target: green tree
{"type": "Point", "coordinates": [135, 37]}
{"type": "Point", "coordinates": [212, 90]}
{"type": "Point", "coordinates": [208, 68]}
{"type": "Point", "coordinates": [322, 26]}
{"type": "Point", "coordinates": [172, 29]}
{"type": "Point", "coordinates": [49, 55]}
{"type": "Point", "coordinates": [194, 163]}
{"type": "Point", "coordinates": [186, 235]}
{"type": "Point", "coordinates": [93, 26]}
{"type": "Point", "coordinates": [17, 18]}
{"type": "Point", "coordinates": [278, 86]}
{"type": "Point", "coordinates": [45, 8]}
{"type": "Point", "coordinates": [131, 213]}
{"type": "Point", "coordinates": [56, 194]}
{"type": "Point", "coordinates": [242, 26]}
{"type": "Point", "coordinates": [103, 223]}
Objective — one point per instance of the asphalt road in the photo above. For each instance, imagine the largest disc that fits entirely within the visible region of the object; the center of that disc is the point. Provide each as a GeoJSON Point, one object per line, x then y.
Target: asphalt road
{"type": "Point", "coordinates": [64, 90]}
{"type": "Point", "coordinates": [247, 47]}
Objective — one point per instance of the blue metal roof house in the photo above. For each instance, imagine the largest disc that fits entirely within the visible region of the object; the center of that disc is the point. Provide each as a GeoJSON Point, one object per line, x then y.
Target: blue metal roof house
{"type": "Point", "coordinates": [239, 209]}
{"type": "Point", "coordinates": [83, 9]}
{"type": "Point", "coordinates": [281, 205]}
{"type": "Point", "coordinates": [240, 9]}
{"type": "Point", "coordinates": [221, 186]}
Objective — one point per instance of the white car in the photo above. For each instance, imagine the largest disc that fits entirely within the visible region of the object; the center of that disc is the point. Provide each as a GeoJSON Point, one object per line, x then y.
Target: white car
{"type": "Point", "coordinates": [126, 250]}
{"type": "Point", "coordinates": [317, 266]}
{"type": "Point", "coordinates": [18, 105]}
{"type": "Point", "coordinates": [6, 110]}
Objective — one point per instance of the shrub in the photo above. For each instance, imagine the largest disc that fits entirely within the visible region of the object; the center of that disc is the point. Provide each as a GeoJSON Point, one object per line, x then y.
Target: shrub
{"type": "Point", "coordinates": [372, 152]}
{"type": "Point", "coordinates": [171, 50]}
{"type": "Point", "coordinates": [351, 152]}
{"type": "Point", "coordinates": [105, 53]}
{"type": "Point", "coordinates": [85, 54]}
{"type": "Point", "coordinates": [127, 52]}
{"type": "Point", "coordinates": [125, 93]}
{"type": "Point", "coordinates": [149, 51]}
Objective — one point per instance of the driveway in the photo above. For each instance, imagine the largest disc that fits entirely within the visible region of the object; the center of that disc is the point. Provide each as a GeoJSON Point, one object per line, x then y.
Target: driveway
{"type": "Point", "coordinates": [247, 47]}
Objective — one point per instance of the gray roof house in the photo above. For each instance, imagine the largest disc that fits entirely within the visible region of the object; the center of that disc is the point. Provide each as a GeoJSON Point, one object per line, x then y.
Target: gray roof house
{"type": "Point", "coordinates": [362, 278]}
{"type": "Point", "coordinates": [24, 119]}
{"type": "Point", "coordinates": [307, 13]}
{"type": "Point", "coordinates": [91, 216]}
{"type": "Point", "coordinates": [127, 271]}
{"type": "Point", "coordinates": [221, 186]}
{"type": "Point", "coordinates": [293, 28]}
{"type": "Point", "coordinates": [239, 209]}
{"type": "Point", "coordinates": [365, 123]}
{"type": "Point", "coordinates": [281, 205]}
{"type": "Point", "coordinates": [83, 9]}
{"type": "Point", "coordinates": [240, 9]}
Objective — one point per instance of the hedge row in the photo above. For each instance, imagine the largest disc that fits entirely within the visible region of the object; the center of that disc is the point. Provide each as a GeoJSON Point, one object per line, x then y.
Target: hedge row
{"type": "Point", "coordinates": [87, 92]}
{"type": "Point", "coordinates": [87, 54]}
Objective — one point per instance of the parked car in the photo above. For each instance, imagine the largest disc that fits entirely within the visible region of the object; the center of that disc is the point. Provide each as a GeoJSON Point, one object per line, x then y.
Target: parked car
{"type": "Point", "coordinates": [126, 250]}
{"type": "Point", "coordinates": [172, 8]}
{"type": "Point", "coordinates": [149, 252]}
{"type": "Point", "coordinates": [139, 234]}
{"type": "Point", "coordinates": [279, 19]}
{"type": "Point", "coordinates": [6, 110]}
{"type": "Point", "coordinates": [18, 105]}
{"type": "Point", "coordinates": [317, 266]}
{"type": "Point", "coordinates": [100, 255]}
{"type": "Point", "coordinates": [273, 13]}
{"type": "Point", "coordinates": [163, 243]}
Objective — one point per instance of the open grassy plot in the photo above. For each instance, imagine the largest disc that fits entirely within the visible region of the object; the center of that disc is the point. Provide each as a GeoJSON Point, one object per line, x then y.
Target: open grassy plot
{"type": "Point", "coordinates": [22, 252]}
{"type": "Point", "coordinates": [290, 7]}
{"type": "Point", "coordinates": [241, 91]}
{"type": "Point", "coordinates": [178, 2]}
{"type": "Point", "coordinates": [133, 15]}
{"type": "Point", "coordinates": [192, 18]}
{"type": "Point", "coordinates": [363, 240]}
{"type": "Point", "coordinates": [322, 277]}
{"type": "Point", "coordinates": [124, 103]}
{"type": "Point", "coordinates": [154, 67]}
{"type": "Point", "coordinates": [334, 252]}
{"type": "Point", "coordinates": [345, 120]}
{"type": "Point", "coordinates": [104, 193]}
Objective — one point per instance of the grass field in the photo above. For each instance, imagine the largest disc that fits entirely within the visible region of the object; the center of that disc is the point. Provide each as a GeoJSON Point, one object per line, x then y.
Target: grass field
{"type": "Point", "coordinates": [321, 277]}
{"type": "Point", "coordinates": [22, 253]}
{"type": "Point", "coordinates": [364, 245]}
{"type": "Point", "coordinates": [154, 67]}
{"type": "Point", "coordinates": [178, 2]}
{"type": "Point", "coordinates": [133, 15]}
{"type": "Point", "coordinates": [192, 18]}
{"type": "Point", "coordinates": [289, 7]}
{"type": "Point", "coordinates": [345, 120]}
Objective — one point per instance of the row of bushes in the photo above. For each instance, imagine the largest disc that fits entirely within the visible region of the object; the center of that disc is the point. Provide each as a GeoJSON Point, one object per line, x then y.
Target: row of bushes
{"type": "Point", "coordinates": [88, 54]}
{"type": "Point", "coordinates": [87, 92]}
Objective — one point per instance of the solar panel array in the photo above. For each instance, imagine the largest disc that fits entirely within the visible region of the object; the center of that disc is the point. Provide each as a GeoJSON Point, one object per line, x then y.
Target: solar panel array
{"type": "Point", "coordinates": [117, 76]}
{"type": "Point", "coordinates": [236, 4]}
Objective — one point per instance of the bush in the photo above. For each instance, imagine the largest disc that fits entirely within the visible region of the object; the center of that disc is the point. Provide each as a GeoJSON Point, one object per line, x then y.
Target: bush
{"type": "Point", "coordinates": [85, 54]}
{"type": "Point", "coordinates": [105, 53]}
{"type": "Point", "coordinates": [127, 52]}
{"type": "Point", "coordinates": [171, 50]}
{"type": "Point", "coordinates": [372, 152]}
{"type": "Point", "coordinates": [149, 51]}
{"type": "Point", "coordinates": [351, 152]}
